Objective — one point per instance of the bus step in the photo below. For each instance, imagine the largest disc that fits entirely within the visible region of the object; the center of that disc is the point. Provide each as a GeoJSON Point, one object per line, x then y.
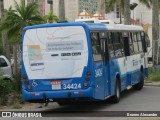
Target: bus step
{"type": "Point", "coordinates": [129, 87]}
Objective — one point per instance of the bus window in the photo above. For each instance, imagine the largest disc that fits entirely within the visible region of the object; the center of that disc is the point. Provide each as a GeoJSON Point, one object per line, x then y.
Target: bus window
{"type": "Point", "coordinates": [131, 43]}
{"type": "Point", "coordinates": [121, 42]}
{"type": "Point", "coordinates": [134, 36]}
{"type": "Point", "coordinates": [110, 38]}
{"type": "Point", "coordinates": [111, 51]}
{"type": "Point", "coordinates": [139, 42]}
{"type": "Point", "coordinates": [118, 45]}
{"type": "Point", "coordinates": [116, 37]}
{"type": "Point", "coordinates": [110, 44]}
{"type": "Point", "coordinates": [96, 46]}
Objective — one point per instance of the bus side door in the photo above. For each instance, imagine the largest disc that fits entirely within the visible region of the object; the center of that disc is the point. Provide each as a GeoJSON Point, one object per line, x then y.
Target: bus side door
{"type": "Point", "coordinates": [98, 66]}
{"type": "Point", "coordinates": [105, 58]}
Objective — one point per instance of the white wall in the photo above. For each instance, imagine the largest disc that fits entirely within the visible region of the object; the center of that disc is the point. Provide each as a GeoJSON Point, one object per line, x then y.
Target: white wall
{"type": "Point", "coordinates": [8, 3]}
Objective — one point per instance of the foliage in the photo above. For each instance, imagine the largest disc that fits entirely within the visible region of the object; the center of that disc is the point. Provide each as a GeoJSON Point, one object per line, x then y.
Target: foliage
{"type": "Point", "coordinates": [154, 74]}
{"type": "Point", "coordinates": [11, 92]}
{"type": "Point", "coordinates": [1, 49]}
{"type": "Point", "coordinates": [50, 18]}
{"type": "Point", "coordinates": [5, 88]}
{"type": "Point", "coordinates": [17, 83]}
{"type": "Point", "coordinates": [16, 104]}
{"type": "Point", "coordinates": [110, 4]}
{"type": "Point", "coordinates": [16, 19]}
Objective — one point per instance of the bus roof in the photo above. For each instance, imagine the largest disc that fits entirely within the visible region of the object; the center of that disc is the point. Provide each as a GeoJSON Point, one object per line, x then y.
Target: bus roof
{"type": "Point", "coordinates": [90, 26]}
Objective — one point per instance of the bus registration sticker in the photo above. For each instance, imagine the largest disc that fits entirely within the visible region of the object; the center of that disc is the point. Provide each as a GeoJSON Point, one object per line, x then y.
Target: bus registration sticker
{"type": "Point", "coordinates": [56, 85]}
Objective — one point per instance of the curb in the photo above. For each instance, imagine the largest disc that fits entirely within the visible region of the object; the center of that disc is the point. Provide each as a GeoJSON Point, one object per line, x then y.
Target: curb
{"type": "Point", "coordinates": [150, 83]}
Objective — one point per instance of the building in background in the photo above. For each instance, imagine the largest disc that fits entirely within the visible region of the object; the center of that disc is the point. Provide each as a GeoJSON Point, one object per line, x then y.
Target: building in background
{"type": "Point", "coordinates": [72, 7]}
{"type": "Point", "coordinates": [91, 6]}
{"type": "Point", "coordinates": [41, 5]}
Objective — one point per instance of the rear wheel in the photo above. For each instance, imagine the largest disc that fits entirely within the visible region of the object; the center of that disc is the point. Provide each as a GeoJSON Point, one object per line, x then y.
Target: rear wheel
{"type": "Point", "coordinates": [139, 85]}
{"type": "Point", "coordinates": [116, 98]}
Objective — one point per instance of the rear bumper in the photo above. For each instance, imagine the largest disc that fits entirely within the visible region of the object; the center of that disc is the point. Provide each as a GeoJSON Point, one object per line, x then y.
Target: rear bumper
{"type": "Point", "coordinates": [56, 95]}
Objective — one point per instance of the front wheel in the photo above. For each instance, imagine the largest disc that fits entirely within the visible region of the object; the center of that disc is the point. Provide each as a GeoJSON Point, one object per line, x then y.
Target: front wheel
{"type": "Point", "coordinates": [116, 98]}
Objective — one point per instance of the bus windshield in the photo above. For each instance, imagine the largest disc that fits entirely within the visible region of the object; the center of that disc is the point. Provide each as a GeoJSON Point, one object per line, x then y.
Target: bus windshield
{"type": "Point", "coordinates": [55, 52]}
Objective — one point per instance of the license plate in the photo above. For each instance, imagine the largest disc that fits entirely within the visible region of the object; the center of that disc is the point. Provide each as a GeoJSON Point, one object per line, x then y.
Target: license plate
{"type": "Point", "coordinates": [56, 85]}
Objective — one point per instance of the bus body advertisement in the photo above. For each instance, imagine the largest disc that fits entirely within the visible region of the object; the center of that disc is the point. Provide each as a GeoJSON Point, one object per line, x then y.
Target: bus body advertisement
{"type": "Point", "coordinates": [76, 61]}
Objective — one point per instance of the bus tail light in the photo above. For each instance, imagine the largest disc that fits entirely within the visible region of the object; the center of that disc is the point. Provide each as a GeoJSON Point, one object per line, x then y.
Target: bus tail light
{"type": "Point", "coordinates": [24, 77]}
{"type": "Point", "coordinates": [87, 79]}
{"type": "Point", "coordinates": [26, 82]}
{"type": "Point", "coordinates": [88, 73]}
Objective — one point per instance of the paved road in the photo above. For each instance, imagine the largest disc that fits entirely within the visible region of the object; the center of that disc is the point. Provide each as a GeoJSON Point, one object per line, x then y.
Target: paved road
{"type": "Point", "coordinates": [148, 99]}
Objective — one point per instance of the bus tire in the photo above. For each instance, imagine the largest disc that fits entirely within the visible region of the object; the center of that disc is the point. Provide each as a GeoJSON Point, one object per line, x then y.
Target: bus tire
{"type": "Point", "coordinates": [116, 98]}
{"type": "Point", "coordinates": [139, 85]}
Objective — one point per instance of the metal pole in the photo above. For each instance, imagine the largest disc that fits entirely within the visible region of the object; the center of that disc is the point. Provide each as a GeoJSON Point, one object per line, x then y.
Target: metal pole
{"type": "Point", "coordinates": [133, 16]}
{"type": "Point", "coordinates": [158, 52]}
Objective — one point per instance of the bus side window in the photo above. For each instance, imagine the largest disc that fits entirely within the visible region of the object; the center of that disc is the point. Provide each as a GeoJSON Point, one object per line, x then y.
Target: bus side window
{"type": "Point", "coordinates": [126, 43]}
{"type": "Point", "coordinates": [131, 43]}
{"type": "Point", "coordinates": [118, 45]}
{"type": "Point", "coordinates": [135, 43]}
{"type": "Point", "coordinates": [110, 45]}
{"type": "Point", "coordinates": [104, 45]}
{"type": "Point", "coordinates": [96, 46]}
{"type": "Point", "coordinates": [121, 42]}
{"type": "Point", "coordinates": [139, 42]}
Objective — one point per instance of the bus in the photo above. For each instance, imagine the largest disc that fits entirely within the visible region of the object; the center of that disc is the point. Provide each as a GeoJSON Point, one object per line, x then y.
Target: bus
{"type": "Point", "coordinates": [67, 62]}
{"type": "Point", "coordinates": [107, 21]}
{"type": "Point", "coordinates": [89, 20]}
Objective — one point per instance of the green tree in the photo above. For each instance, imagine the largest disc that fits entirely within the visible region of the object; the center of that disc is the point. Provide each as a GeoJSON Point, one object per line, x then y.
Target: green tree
{"type": "Point", "coordinates": [155, 31]}
{"type": "Point", "coordinates": [127, 12]}
{"type": "Point", "coordinates": [110, 6]}
{"type": "Point", "coordinates": [16, 19]}
{"type": "Point", "coordinates": [5, 44]}
{"type": "Point", "coordinates": [50, 18]}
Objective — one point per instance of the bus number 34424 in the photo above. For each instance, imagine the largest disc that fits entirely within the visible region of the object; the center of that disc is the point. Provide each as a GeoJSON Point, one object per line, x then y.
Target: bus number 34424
{"type": "Point", "coordinates": [72, 86]}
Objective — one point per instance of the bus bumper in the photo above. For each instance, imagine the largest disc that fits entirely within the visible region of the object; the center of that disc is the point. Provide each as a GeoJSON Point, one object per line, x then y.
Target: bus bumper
{"type": "Point", "coordinates": [55, 95]}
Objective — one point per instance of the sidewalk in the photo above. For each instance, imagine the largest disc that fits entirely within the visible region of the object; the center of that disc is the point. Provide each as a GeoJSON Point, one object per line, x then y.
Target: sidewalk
{"type": "Point", "coordinates": [151, 83]}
